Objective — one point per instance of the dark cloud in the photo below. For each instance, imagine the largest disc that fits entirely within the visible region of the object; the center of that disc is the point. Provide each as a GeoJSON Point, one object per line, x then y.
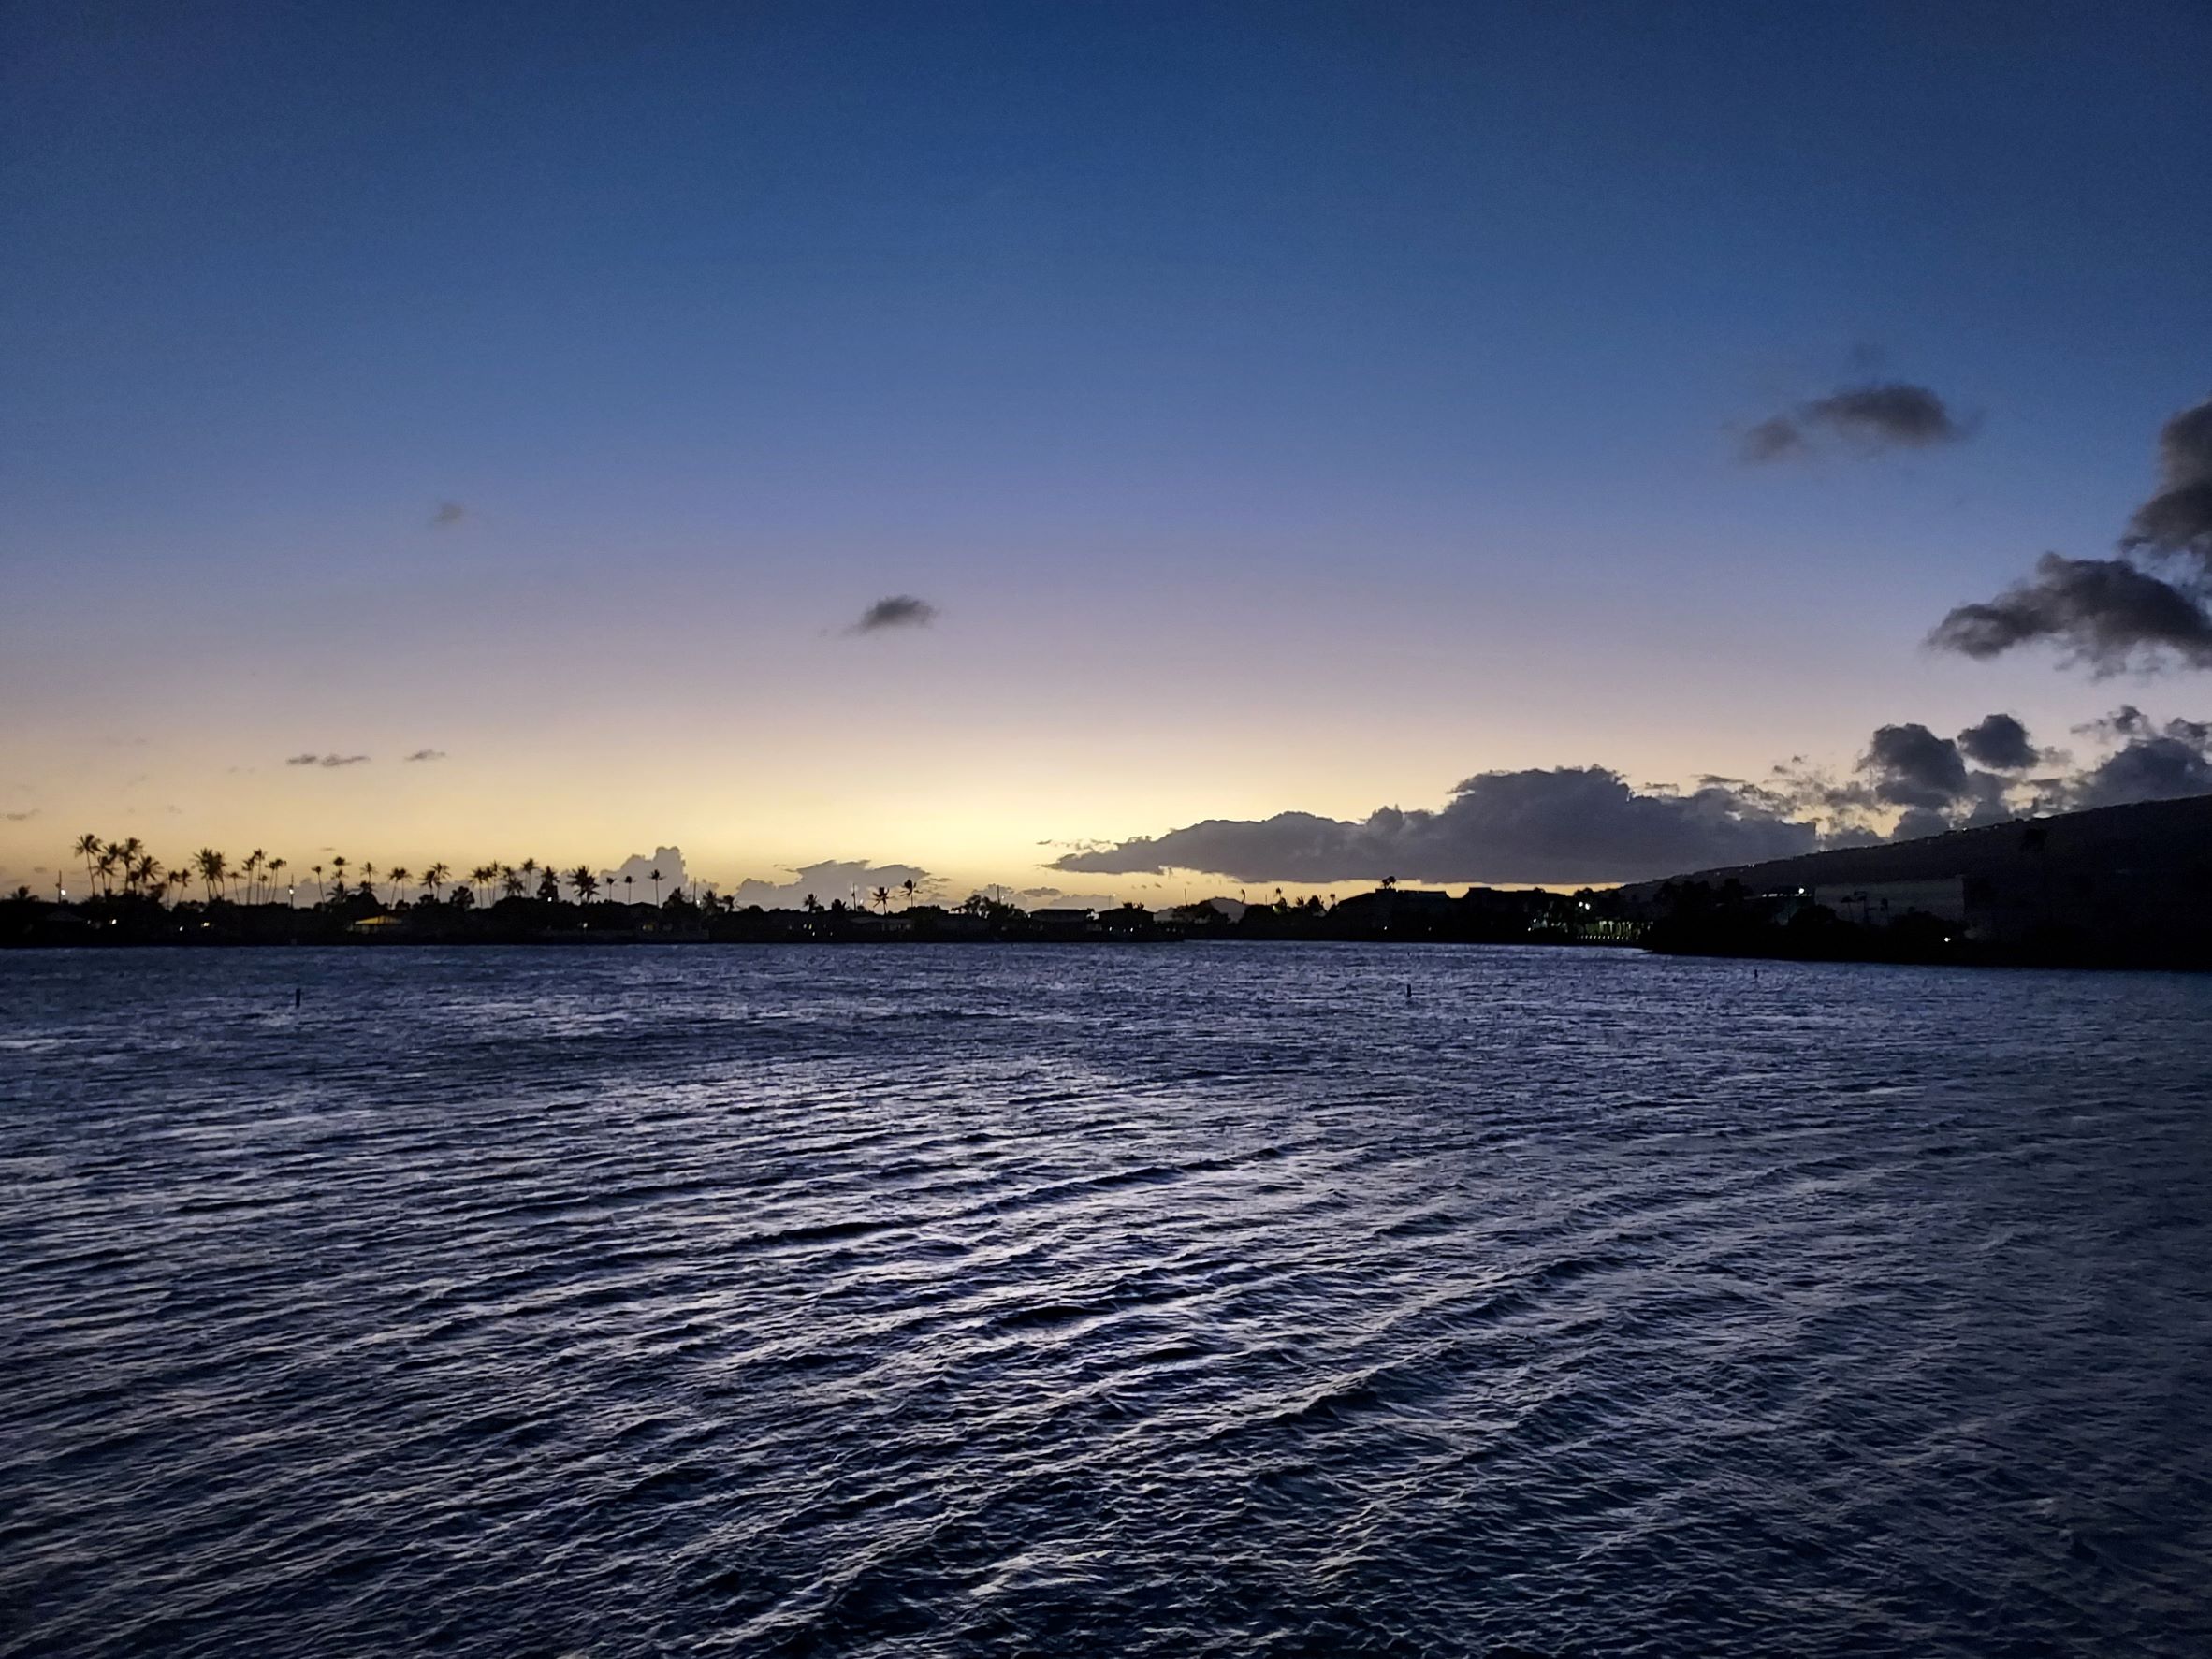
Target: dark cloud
{"type": "Point", "coordinates": [2103, 612]}
{"type": "Point", "coordinates": [1999, 741]}
{"type": "Point", "coordinates": [326, 759]}
{"type": "Point", "coordinates": [1565, 825]}
{"type": "Point", "coordinates": [21, 817]}
{"type": "Point", "coordinates": [2149, 769]}
{"type": "Point", "coordinates": [447, 515]}
{"type": "Point", "coordinates": [428, 754]}
{"type": "Point", "coordinates": [901, 610]}
{"type": "Point", "coordinates": [1889, 415]}
{"type": "Point", "coordinates": [2107, 613]}
{"type": "Point", "coordinates": [1908, 765]}
{"type": "Point", "coordinates": [2177, 520]}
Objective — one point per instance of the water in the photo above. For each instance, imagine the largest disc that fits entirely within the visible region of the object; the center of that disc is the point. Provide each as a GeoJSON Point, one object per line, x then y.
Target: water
{"type": "Point", "coordinates": [1201, 1300]}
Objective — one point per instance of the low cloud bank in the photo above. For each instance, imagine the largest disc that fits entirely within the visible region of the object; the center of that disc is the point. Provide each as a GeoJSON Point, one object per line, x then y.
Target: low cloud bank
{"type": "Point", "coordinates": [1573, 824]}
{"type": "Point", "coordinates": [834, 878]}
{"type": "Point", "coordinates": [312, 759]}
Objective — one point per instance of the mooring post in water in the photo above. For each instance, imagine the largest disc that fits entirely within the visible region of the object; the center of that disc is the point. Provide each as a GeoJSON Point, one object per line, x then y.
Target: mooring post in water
{"type": "Point", "coordinates": [296, 993]}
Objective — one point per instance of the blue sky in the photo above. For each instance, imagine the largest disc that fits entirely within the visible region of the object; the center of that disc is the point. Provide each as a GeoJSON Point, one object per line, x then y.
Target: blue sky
{"type": "Point", "coordinates": [1313, 405]}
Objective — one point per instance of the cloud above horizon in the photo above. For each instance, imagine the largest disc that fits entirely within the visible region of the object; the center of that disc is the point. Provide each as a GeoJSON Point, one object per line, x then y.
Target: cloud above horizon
{"type": "Point", "coordinates": [1864, 419]}
{"type": "Point", "coordinates": [2146, 610]}
{"type": "Point", "coordinates": [1575, 825]}
{"type": "Point", "coordinates": [832, 879]}
{"type": "Point", "coordinates": [428, 754]}
{"type": "Point", "coordinates": [448, 513]}
{"type": "Point", "coordinates": [900, 610]}
{"type": "Point", "coordinates": [312, 759]}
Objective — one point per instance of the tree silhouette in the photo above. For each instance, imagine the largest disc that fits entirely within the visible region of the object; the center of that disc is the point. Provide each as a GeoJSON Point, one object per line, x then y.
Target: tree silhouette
{"type": "Point", "coordinates": [255, 860]}
{"type": "Point", "coordinates": [399, 874]}
{"type": "Point", "coordinates": [88, 849]}
{"type": "Point", "coordinates": [104, 866]}
{"type": "Point", "coordinates": [510, 881]}
{"type": "Point", "coordinates": [881, 897]}
{"type": "Point", "coordinates": [435, 878]}
{"type": "Point", "coordinates": [584, 881]}
{"type": "Point", "coordinates": [277, 867]}
{"type": "Point", "coordinates": [213, 869]}
{"type": "Point", "coordinates": [548, 884]}
{"type": "Point", "coordinates": [628, 882]}
{"type": "Point", "coordinates": [654, 878]}
{"type": "Point", "coordinates": [909, 885]}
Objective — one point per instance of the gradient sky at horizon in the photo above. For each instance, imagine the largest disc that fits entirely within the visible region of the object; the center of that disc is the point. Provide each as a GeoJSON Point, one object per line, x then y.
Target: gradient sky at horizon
{"type": "Point", "coordinates": [1283, 407]}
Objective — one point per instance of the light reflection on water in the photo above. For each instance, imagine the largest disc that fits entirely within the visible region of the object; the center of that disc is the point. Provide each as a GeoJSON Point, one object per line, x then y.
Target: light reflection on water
{"type": "Point", "coordinates": [1198, 1299]}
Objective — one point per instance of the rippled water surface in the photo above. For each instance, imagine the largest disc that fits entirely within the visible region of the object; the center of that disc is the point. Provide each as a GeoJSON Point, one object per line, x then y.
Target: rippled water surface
{"type": "Point", "coordinates": [1183, 1301]}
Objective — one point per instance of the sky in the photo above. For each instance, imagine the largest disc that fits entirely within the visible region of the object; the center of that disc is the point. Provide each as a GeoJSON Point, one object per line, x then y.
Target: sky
{"type": "Point", "coordinates": [973, 439]}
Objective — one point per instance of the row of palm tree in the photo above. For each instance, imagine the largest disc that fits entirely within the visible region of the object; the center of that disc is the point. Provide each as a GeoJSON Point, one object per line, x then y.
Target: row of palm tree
{"type": "Point", "coordinates": [258, 879]}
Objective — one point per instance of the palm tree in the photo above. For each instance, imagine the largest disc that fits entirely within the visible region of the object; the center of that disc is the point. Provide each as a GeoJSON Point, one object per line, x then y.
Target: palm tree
{"type": "Point", "coordinates": [179, 880]}
{"type": "Point", "coordinates": [881, 898]}
{"type": "Point", "coordinates": [584, 881]}
{"type": "Point", "coordinates": [105, 865]}
{"type": "Point", "coordinates": [127, 853]}
{"type": "Point", "coordinates": [909, 885]}
{"type": "Point", "coordinates": [145, 871]}
{"type": "Point", "coordinates": [213, 871]}
{"type": "Point", "coordinates": [483, 876]}
{"type": "Point", "coordinates": [368, 887]}
{"type": "Point", "coordinates": [628, 883]}
{"type": "Point", "coordinates": [654, 877]}
{"type": "Point", "coordinates": [277, 867]}
{"type": "Point", "coordinates": [88, 849]}
{"type": "Point", "coordinates": [399, 874]}
{"type": "Point", "coordinates": [255, 860]}
{"type": "Point", "coordinates": [548, 884]}
{"type": "Point", "coordinates": [510, 881]}
{"type": "Point", "coordinates": [434, 878]}
{"type": "Point", "coordinates": [322, 892]}
{"type": "Point", "coordinates": [337, 872]}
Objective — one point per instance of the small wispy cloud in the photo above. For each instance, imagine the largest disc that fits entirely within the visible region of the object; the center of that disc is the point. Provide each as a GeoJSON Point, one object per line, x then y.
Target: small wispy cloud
{"type": "Point", "coordinates": [1887, 415]}
{"type": "Point", "coordinates": [24, 817]}
{"type": "Point", "coordinates": [448, 515]}
{"type": "Point", "coordinates": [901, 610]}
{"type": "Point", "coordinates": [428, 754]}
{"type": "Point", "coordinates": [326, 759]}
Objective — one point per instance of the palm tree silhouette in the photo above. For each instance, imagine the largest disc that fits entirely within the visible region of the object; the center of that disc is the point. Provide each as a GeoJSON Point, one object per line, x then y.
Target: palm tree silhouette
{"type": "Point", "coordinates": [212, 868]}
{"type": "Point", "coordinates": [399, 873]}
{"type": "Point", "coordinates": [655, 878]}
{"type": "Point", "coordinates": [127, 853]}
{"type": "Point", "coordinates": [434, 878]}
{"type": "Point", "coordinates": [628, 882]}
{"type": "Point", "coordinates": [277, 867]}
{"type": "Point", "coordinates": [253, 868]}
{"type": "Point", "coordinates": [548, 884]}
{"type": "Point", "coordinates": [88, 849]}
{"type": "Point", "coordinates": [882, 899]}
{"type": "Point", "coordinates": [909, 885]}
{"type": "Point", "coordinates": [105, 865]}
{"type": "Point", "coordinates": [337, 872]}
{"type": "Point", "coordinates": [145, 871]}
{"type": "Point", "coordinates": [321, 892]}
{"type": "Point", "coordinates": [584, 881]}
{"type": "Point", "coordinates": [510, 881]}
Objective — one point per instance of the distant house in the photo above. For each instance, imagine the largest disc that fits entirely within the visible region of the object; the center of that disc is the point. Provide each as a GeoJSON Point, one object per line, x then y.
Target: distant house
{"type": "Point", "coordinates": [1877, 904]}
{"type": "Point", "coordinates": [1058, 923]}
